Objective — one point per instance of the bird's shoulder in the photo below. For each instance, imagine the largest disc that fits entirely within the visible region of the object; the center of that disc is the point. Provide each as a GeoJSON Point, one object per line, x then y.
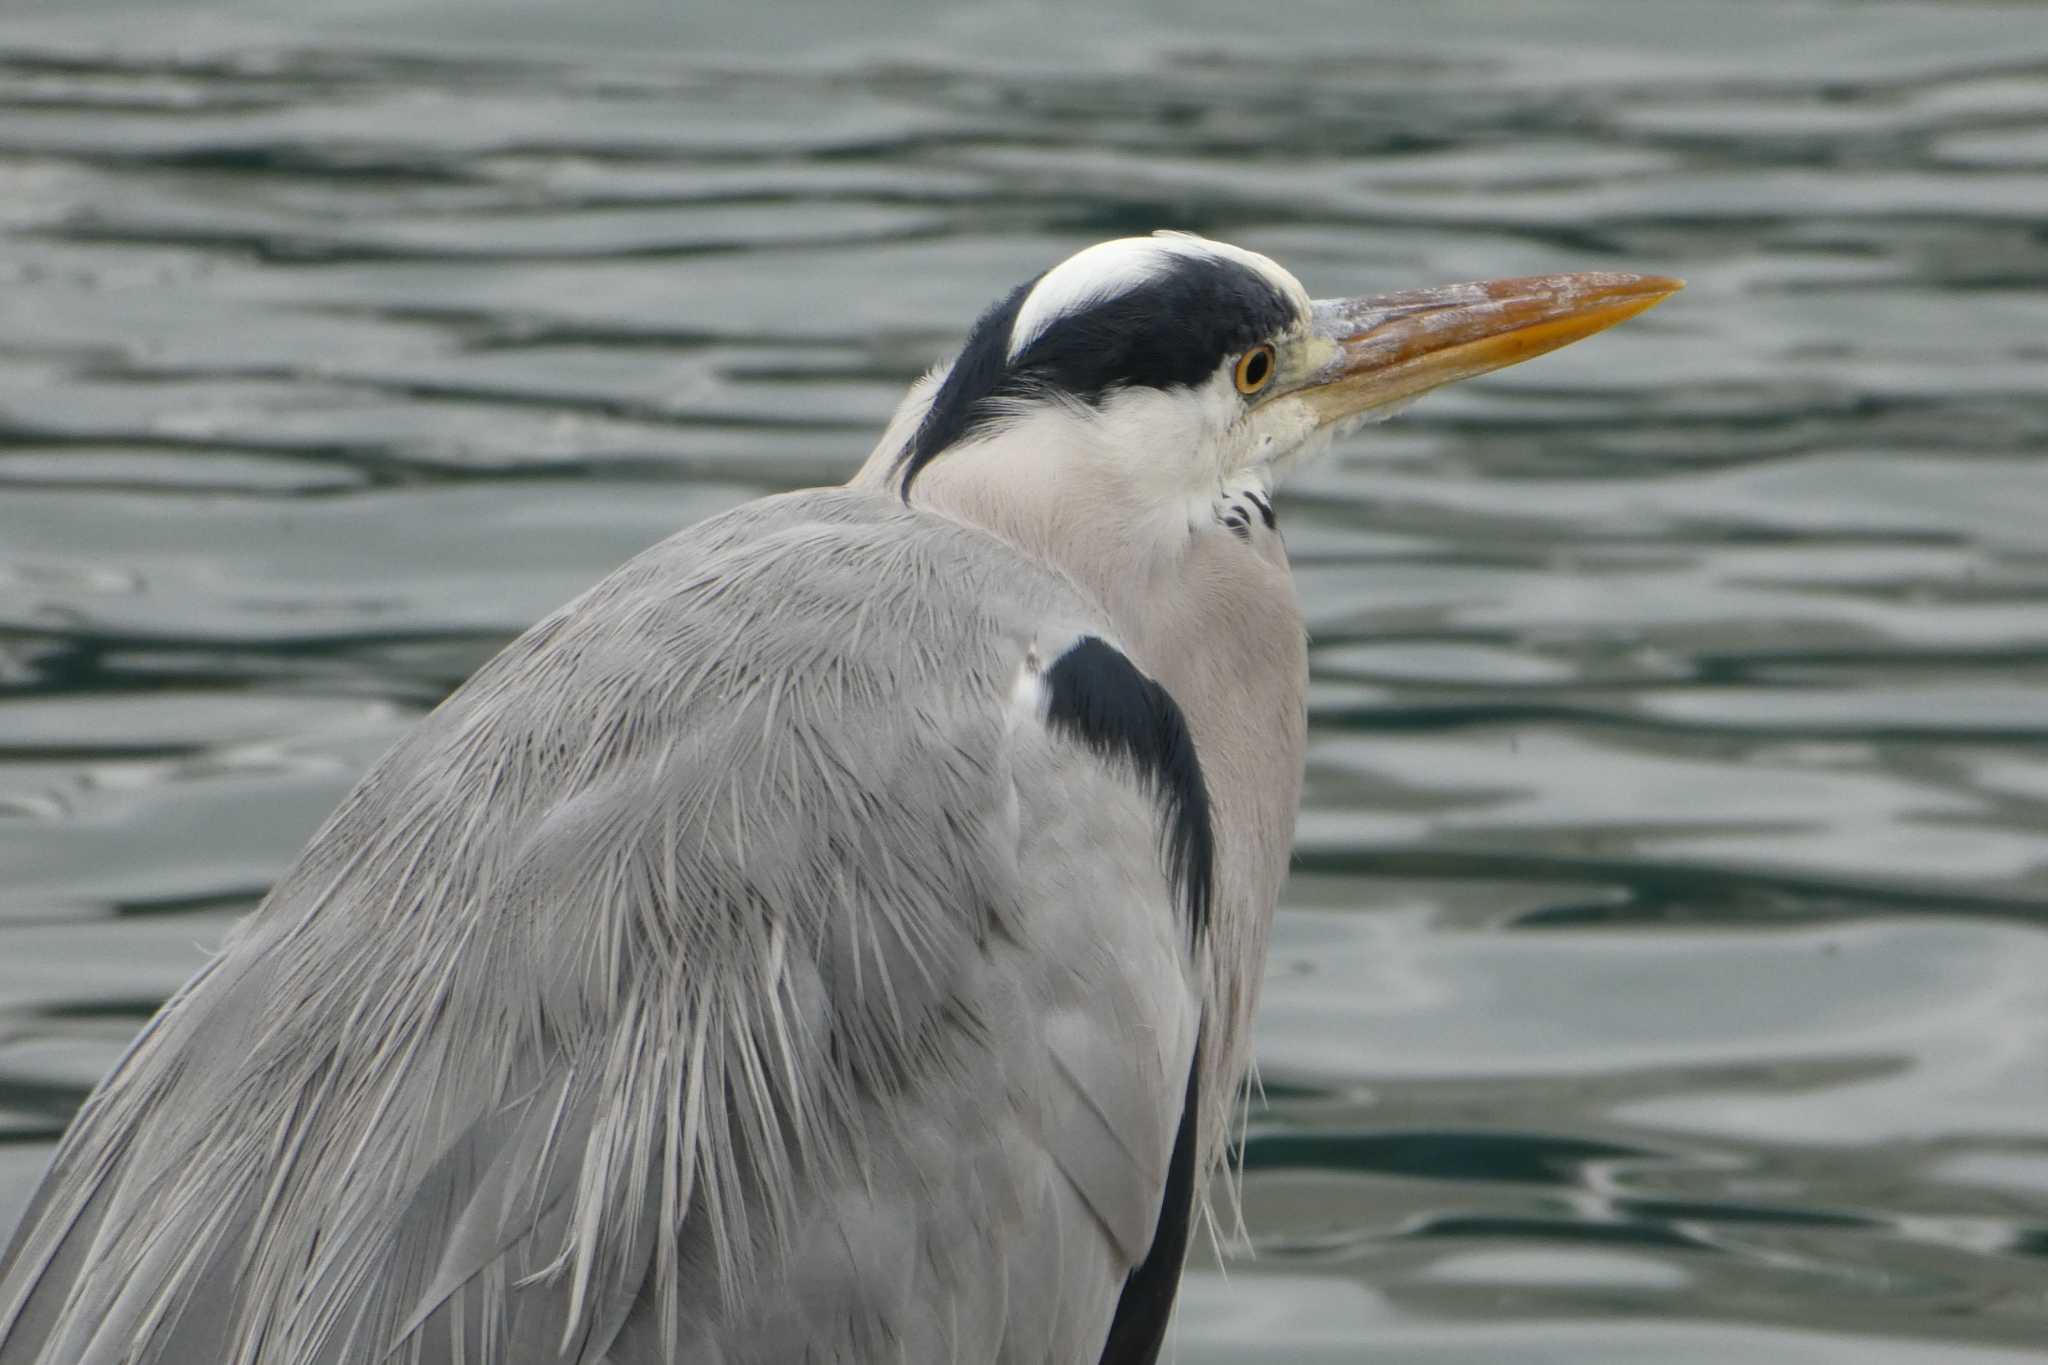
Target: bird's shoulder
{"type": "Point", "coordinates": [804, 581]}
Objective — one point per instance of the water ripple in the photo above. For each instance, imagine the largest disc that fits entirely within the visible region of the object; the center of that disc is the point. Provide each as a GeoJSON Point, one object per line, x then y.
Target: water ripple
{"type": "Point", "coordinates": [1661, 970]}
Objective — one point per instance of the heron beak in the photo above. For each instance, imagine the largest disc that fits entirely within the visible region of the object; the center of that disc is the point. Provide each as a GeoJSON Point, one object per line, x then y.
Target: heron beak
{"type": "Point", "coordinates": [1378, 351]}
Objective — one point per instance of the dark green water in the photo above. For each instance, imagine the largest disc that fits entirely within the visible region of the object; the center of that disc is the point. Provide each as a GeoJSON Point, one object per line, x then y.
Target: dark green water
{"type": "Point", "coordinates": [1665, 974]}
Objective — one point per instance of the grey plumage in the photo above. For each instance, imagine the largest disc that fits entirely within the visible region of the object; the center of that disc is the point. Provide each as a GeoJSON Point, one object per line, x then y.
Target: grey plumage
{"type": "Point", "coordinates": [802, 946]}
{"type": "Point", "coordinates": [785, 742]}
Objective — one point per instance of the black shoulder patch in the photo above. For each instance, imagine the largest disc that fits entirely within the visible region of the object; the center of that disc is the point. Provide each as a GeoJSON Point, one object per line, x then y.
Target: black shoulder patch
{"type": "Point", "coordinates": [1145, 1307]}
{"type": "Point", "coordinates": [1099, 696]}
{"type": "Point", "coordinates": [1172, 331]}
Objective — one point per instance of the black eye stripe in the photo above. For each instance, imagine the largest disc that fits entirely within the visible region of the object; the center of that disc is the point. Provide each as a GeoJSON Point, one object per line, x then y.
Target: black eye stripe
{"type": "Point", "coordinates": [1171, 330]}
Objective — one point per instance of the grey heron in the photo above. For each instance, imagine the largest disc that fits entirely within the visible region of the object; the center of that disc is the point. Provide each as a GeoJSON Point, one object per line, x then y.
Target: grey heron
{"type": "Point", "coordinates": [832, 937]}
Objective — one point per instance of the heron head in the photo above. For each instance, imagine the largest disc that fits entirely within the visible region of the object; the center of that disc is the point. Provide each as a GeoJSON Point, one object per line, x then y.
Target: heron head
{"type": "Point", "coordinates": [1168, 368]}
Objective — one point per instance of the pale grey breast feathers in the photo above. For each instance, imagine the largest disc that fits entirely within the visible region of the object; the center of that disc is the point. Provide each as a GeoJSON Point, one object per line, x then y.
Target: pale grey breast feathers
{"type": "Point", "coordinates": [741, 952]}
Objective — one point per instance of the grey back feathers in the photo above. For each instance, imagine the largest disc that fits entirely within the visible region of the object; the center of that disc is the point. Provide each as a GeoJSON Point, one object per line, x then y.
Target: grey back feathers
{"type": "Point", "coordinates": [1138, 1330]}
{"type": "Point", "coordinates": [827, 855]}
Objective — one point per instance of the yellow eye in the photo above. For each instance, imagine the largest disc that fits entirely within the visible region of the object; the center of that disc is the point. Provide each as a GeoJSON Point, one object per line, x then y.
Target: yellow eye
{"type": "Point", "coordinates": [1254, 369]}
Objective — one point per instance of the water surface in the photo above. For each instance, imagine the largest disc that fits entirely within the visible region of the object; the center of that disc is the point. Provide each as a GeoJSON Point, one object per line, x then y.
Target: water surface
{"type": "Point", "coordinates": [1665, 972]}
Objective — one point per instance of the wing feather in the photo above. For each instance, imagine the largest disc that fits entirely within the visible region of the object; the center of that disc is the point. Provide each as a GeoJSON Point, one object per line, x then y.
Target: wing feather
{"type": "Point", "coordinates": [634, 1008]}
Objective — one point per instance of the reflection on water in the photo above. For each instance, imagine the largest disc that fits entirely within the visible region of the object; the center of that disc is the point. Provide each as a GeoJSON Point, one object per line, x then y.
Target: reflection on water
{"type": "Point", "coordinates": [1666, 967]}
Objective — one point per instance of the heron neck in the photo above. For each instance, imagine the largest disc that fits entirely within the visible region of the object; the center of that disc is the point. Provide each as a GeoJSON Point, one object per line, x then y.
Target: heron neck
{"type": "Point", "coordinates": [1215, 620]}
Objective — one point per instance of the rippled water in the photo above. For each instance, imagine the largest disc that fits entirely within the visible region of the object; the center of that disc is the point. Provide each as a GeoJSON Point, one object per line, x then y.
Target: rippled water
{"type": "Point", "coordinates": [1665, 974]}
